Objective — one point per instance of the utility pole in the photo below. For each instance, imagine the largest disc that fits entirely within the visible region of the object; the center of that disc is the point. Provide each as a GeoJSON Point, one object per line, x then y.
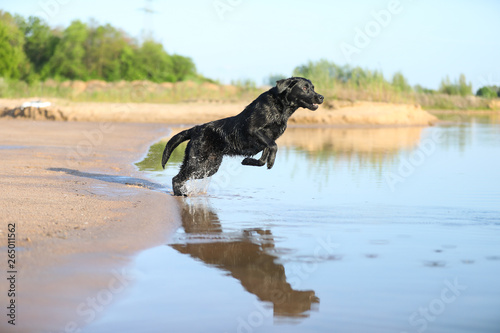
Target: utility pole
{"type": "Point", "coordinates": [147, 28]}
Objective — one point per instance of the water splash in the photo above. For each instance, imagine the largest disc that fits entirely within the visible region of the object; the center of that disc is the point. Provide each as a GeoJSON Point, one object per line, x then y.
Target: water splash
{"type": "Point", "coordinates": [196, 187]}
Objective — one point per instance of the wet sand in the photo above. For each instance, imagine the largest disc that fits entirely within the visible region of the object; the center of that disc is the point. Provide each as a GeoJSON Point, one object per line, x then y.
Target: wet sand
{"type": "Point", "coordinates": [80, 211]}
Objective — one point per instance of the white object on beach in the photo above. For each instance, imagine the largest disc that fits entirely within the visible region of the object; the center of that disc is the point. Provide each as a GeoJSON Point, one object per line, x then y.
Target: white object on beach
{"type": "Point", "coordinates": [35, 104]}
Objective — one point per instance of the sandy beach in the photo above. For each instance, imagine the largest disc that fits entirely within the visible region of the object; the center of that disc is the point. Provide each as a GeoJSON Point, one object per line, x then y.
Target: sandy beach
{"type": "Point", "coordinates": [80, 210]}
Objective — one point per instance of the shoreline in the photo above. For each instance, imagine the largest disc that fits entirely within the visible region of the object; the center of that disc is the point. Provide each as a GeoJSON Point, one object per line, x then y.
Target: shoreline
{"type": "Point", "coordinates": [79, 221]}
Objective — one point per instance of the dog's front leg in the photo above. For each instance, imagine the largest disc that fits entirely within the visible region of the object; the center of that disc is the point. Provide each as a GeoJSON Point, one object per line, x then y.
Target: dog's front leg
{"type": "Point", "coordinates": [260, 162]}
{"type": "Point", "coordinates": [271, 147]}
{"type": "Point", "coordinates": [272, 156]}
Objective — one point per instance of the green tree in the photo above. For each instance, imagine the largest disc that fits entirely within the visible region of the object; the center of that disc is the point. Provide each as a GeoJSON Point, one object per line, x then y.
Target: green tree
{"type": "Point", "coordinates": [67, 61]}
{"type": "Point", "coordinates": [40, 41]}
{"type": "Point", "coordinates": [13, 63]}
{"type": "Point", "coordinates": [460, 87]}
{"type": "Point", "coordinates": [154, 63]}
{"type": "Point", "coordinates": [323, 72]}
{"type": "Point", "coordinates": [447, 87]}
{"type": "Point", "coordinates": [418, 88]}
{"type": "Point", "coordinates": [183, 67]}
{"type": "Point", "coordinates": [363, 78]}
{"type": "Point", "coordinates": [128, 69]}
{"type": "Point", "coordinates": [400, 83]}
{"type": "Point", "coordinates": [30, 49]}
{"type": "Point", "coordinates": [103, 49]}
{"type": "Point", "coordinates": [464, 88]}
{"type": "Point", "coordinates": [488, 92]}
{"type": "Point", "coordinates": [326, 74]}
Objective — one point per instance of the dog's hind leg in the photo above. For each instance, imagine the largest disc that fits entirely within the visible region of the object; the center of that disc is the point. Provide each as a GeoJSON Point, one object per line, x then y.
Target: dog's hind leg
{"type": "Point", "coordinates": [254, 162]}
{"type": "Point", "coordinates": [204, 165]}
{"type": "Point", "coordinates": [181, 178]}
{"type": "Point", "coordinates": [205, 169]}
{"type": "Point", "coordinates": [187, 169]}
{"type": "Point", "coordinates": [178, 185]}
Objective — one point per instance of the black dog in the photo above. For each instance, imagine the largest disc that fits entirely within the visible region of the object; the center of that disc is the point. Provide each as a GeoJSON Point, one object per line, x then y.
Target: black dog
{"type": "Point", "coordinates": [254, 130]}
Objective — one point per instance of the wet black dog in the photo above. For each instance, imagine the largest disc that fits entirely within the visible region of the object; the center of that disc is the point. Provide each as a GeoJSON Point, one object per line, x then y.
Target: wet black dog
{"type": "Point", "coordinates": [254, 130]}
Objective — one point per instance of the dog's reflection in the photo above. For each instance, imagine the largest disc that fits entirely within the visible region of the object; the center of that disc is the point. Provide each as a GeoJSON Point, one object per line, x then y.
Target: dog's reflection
{"type": "Point", "coordinates": [245, 255]}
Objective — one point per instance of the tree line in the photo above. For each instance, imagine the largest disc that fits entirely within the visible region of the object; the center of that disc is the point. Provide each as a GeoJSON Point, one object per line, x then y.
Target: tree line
{"type": "Point", "coordinates": [31, 50]}
{"type": "Point", "coordinates": [328, 74]}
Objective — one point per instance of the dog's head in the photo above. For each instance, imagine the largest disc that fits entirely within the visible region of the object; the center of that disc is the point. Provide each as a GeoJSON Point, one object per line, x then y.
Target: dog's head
{"type": "Point", "coordinates": [299, 91]}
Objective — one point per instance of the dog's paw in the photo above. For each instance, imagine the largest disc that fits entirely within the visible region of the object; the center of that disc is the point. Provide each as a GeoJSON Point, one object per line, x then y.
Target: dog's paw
{"type": "Point", "coordinates": [270, 161]}
{"type": "Point", "coordinates": [252, 161]}
{"type": "Point", "coordinates": [247, 161]}
{"type": "Point", "coordinates": [179, 193]}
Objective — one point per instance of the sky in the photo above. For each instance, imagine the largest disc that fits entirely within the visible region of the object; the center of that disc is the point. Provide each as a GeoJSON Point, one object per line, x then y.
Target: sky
{"type": "Point", "coordinates": [243, 39]}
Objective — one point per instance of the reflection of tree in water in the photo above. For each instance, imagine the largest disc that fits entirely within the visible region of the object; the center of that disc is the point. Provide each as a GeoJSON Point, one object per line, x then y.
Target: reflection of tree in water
{"type": "Point", "coordinates": [460, 129]}
{"type": "Point", "coordinates": [324, 145]}
{"type": "Point", "coordinates": [245, 256]}
{"type": "Point", "coordinates": [370, 148]}
{"type": "Point", "coordinates": [370, 145]}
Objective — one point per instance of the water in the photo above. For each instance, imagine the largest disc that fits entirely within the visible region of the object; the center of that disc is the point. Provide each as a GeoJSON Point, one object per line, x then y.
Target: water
{"type": "Point", "coordinates": [353, 230]}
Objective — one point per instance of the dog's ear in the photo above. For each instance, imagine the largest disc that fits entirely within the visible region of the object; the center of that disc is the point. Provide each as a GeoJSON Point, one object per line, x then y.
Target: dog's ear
{"type": "Point", "coordinates": [285, 84]}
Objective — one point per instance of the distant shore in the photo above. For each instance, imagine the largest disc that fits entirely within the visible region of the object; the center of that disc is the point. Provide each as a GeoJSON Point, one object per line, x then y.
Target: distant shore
{"type": "Point", "coordinates": [331, 113]}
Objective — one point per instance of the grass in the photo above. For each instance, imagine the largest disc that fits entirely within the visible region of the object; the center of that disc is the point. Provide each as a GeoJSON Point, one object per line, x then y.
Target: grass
{"type": "Point", "coordinates": [127, 92]}
{"type": "Point", "coordinates": [375, 90]}
{"type": "Point", "coordinates": [389, 94]}
{"type": "Point", "coordinates": [152, 162]}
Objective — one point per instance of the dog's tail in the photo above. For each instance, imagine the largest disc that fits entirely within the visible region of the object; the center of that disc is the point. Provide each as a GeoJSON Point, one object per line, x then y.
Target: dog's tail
{"type": "Point", "coordinates": [173, 143]}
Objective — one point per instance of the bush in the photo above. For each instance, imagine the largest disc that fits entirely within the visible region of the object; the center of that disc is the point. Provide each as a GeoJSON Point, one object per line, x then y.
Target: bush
{"type": "Point", "coordinates": [460, 87]}
{"type": "Point", "coordinates": [400, 83]}
{"type": "Point", "coordinates": [488, 92]}
{"type": "Point", "coordinates": [422, 90]}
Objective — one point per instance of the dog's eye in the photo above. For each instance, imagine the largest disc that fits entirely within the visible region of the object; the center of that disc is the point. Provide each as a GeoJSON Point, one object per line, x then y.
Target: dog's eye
{"type": "Point", "coordinates": [304, 88]}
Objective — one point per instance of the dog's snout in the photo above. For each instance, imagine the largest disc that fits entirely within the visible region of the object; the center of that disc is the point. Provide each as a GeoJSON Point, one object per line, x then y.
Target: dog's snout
{"type": "Point", "coordinates": [320, 98]}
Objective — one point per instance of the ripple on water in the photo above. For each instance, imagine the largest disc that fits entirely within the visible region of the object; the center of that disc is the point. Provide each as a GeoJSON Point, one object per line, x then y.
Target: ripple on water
{"type": "Point", "coordinates": [435, 263]}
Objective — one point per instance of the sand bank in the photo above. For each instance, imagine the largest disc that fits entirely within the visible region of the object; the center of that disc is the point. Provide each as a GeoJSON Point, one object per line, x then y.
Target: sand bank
{"type": "Point", "coordinates": [358, 113]}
